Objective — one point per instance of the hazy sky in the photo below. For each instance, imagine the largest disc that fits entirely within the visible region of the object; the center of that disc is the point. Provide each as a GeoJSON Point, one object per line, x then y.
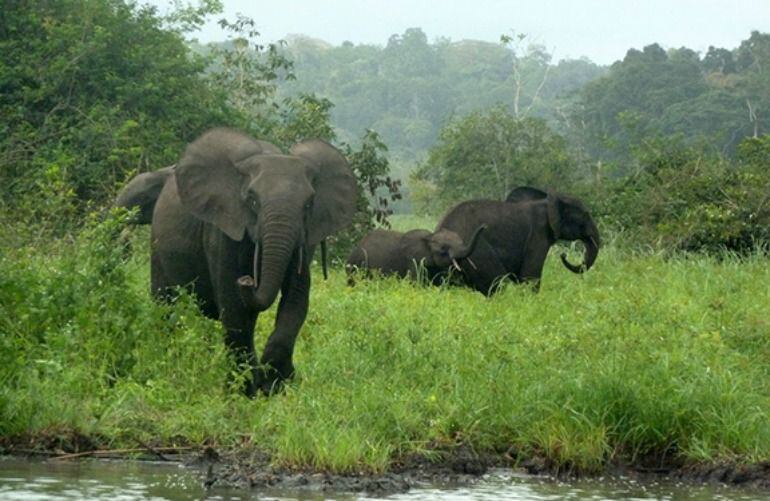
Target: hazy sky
{"type": "Point", "coordinates": [602, 30]}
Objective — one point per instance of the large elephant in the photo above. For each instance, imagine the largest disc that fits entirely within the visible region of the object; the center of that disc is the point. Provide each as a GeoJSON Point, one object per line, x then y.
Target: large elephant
{"type": "Point", "coordinates": [237, 222]}
{"type": "Point", "coordinates": [520, 232]}
{"type": "Point", "coordinates": [403, 254]}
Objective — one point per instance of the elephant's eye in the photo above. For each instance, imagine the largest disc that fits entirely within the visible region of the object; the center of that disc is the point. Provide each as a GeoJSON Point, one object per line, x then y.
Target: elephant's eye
{"type": "Point", "coordinates": [309, 205]}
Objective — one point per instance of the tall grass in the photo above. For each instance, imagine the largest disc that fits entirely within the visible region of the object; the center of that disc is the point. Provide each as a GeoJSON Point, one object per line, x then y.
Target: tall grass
{"type": "Point", "coordinates": [643, 355]}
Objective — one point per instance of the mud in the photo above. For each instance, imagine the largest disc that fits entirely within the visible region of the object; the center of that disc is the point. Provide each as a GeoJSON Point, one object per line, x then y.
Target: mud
{"type": "Point", "coordinates": [460, 466]}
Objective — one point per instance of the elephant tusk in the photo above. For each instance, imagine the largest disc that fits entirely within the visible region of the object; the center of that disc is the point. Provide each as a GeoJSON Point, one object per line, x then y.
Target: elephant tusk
{"type": "Point", "coordinates": [457, 266]}
{"type": "Point", "coordinates": [470, 261]}
{"type": "Point", "coordinates": [246, 289]}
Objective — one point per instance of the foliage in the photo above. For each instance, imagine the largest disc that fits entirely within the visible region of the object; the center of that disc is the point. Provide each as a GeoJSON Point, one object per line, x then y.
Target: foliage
{"type": "Point", "coordinates": [94, 90]}
{"type": "Point", "coordinates": [619, 365]}
{"type": "Point", "coordinates": [93, 98]}
{"type": "Point", "coordinates": [681, 198]}
{"type": "Point", "coordinates": [486, 154]}
{"type": "Point", "coordinates": [409, 88]}
{"type": "Point", "coordinates": [248, 73]}
{"type": "Point", "coordinates": [376, 190]}
{"type": "Point", "coordinates": [722, 98]}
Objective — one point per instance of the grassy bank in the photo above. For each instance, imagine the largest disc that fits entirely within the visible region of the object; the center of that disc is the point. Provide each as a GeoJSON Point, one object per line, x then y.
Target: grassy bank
{"type": "Point", "coordinates": [641, 356]}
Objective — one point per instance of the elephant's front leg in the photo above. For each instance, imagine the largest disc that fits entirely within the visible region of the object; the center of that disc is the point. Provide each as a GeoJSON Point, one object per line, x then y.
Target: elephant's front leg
{"type": "Point", "coordinates": [276, 363]}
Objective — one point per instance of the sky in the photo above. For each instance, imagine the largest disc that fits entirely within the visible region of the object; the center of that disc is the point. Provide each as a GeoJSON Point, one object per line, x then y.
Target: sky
{"type": "Point", "coordinates": [602, 30]}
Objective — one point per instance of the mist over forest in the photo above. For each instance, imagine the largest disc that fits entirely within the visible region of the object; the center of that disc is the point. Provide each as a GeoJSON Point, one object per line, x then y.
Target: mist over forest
{"type": "Point", "coordinates": [408, 88]}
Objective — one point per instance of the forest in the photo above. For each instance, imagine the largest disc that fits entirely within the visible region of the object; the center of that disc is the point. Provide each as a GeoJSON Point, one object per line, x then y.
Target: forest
{"type": "Point", "coordinates": [669, 148]}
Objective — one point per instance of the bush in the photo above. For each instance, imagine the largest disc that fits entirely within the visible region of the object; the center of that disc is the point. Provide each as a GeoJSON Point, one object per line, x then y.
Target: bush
{"type": "Point", "coordinates": [680, 198]}
{"type": "Point", "coordinates": [486, 154]}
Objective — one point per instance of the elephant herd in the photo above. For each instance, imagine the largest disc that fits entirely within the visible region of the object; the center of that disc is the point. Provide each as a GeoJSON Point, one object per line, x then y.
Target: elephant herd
{"type": "Point", "coordinates": [236, 220]}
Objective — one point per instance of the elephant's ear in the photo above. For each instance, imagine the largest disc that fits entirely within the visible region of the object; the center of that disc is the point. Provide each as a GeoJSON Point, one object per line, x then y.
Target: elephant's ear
{"type": "Point", "coordinates": [143, 191]}
{"type": "Point", "coordinates": [554, 204]}
{"type": "Point", "coordinates": [335, 187]}
{"type": "Point", "coordinates": [525, 193]}
{"type": "Point", "coordinates": [209, 182]}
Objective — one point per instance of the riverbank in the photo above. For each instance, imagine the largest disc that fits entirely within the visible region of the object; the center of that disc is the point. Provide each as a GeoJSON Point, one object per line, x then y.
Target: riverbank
{"type": "Point", "coordinates": [241, 470]}
{"type": "Point", "coordinates": [643, 362]}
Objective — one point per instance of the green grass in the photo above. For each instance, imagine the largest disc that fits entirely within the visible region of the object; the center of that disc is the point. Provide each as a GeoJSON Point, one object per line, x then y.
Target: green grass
{"type": "Point", "coordinates": [641, 356]}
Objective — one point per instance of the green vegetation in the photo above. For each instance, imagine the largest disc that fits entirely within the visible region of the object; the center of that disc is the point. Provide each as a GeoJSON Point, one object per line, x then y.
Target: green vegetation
{"type": "Point", "coordinates": [721, 98]}
{"type": "Point", "coordinates": [409, 88]}
{"type": "Point", "coordinates": [486, 155]}
{"type": "Point", "coordinates": [661, 350]}
{"type": "Point", "coordinates": [642, 356]}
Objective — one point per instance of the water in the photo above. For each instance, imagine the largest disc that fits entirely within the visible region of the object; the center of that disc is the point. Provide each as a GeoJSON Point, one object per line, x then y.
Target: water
{"type": "Point", "coordinates": [126, 480]}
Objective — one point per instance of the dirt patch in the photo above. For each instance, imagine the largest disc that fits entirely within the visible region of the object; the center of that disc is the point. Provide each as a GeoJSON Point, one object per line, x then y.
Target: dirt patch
{"type": "Point", "coordinates": [750, 475]}
{"type": "Point", "coordinates": [461, 467]}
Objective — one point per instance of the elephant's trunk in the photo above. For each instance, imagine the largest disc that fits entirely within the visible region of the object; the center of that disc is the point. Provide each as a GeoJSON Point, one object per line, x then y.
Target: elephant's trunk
{"type": "Point", "coordinates": [278, 241]}
{"type": "Point", "coordinates": [466, 251]}
{"type": "Point", "coordinates": [592, 244]}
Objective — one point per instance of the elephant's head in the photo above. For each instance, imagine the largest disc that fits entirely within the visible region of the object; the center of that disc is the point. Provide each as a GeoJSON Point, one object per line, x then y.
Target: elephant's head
{"type": "Point", "coordinates": [446, 248]}
{"type": "Point", "coordinates": [284, 203]}
{"type": "Point", "coordinates": [568, 219]}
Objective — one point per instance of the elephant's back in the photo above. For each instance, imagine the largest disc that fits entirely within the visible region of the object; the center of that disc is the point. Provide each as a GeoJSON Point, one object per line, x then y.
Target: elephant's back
{"type": "Point", "coordinates": [376, 249]}
{"type": "Point", "coordinates": [466, 216]}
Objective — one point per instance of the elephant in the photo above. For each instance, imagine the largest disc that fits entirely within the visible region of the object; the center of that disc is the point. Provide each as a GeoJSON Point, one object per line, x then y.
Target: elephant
{"type": "Point", "coordinates": [237, 222]}
{"type": "Point", "coordinates": [402, 254]}
{"type": "Point", "coordinates": [142, 192]}
{"type": "Point", "coordinates": [520, 232]}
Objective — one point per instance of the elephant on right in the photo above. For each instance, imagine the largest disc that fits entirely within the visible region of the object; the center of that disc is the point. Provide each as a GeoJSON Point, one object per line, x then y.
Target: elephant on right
{"type": "Point", "coordinates": [520, 231]}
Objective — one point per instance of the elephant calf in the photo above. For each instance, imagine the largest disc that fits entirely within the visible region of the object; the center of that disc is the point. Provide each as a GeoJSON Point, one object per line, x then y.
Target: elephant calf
{"type": "Point", "coordinates": [402, 254]}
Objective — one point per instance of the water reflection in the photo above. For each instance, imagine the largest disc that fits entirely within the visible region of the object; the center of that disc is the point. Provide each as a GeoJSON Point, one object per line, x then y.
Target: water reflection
{"type": "Point", "coordinates": [122, 480]}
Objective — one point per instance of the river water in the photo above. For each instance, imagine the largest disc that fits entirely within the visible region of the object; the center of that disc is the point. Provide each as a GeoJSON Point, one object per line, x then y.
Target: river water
{"type": "Point", "coordinates": [126, 480]}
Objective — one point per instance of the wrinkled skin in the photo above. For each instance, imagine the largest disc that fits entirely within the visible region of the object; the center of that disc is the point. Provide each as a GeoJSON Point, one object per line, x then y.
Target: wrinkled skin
{"type": "Point", "coordinates": [402, 254]}
{"type": "Point", "coordinates": [237, 222]}
{"type": "Point", "coordinates": [520, 232]}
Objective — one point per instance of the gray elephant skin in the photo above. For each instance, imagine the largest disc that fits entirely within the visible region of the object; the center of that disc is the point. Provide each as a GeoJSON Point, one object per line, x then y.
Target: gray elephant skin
{"type": "Point", "coordinates": [236, 222]}
{"type": "Point", "coordinates": [406, 254]}
{"type": "Point", "coordinates": [520, 232]}
{"type": "Point", "coordinates": [142, 192]}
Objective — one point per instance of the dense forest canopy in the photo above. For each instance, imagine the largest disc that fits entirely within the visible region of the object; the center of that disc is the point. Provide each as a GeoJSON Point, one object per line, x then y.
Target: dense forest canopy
{"type": "Point", "coordinates": [408, 89]}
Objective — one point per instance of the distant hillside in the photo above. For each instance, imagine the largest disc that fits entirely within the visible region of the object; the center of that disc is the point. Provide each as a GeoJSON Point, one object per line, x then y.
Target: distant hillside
{"type": "Point", "coordinates": [407, 89]}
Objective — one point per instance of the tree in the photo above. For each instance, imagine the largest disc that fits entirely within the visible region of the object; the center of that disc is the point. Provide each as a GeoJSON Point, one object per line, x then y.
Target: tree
{"type": "Point", "coordinates": [529, 71]}
{"type": "Point", "coordinates": [486, 154]}
{"type": "Point", "coordinates": [90, 91]}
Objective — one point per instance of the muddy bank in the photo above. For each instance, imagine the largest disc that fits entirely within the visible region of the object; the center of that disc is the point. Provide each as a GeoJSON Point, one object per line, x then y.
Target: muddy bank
{"type": "Point", "coordinates": [247, 468]}
{"type": "Point", "coordinates": [254, 470]}
{"type": "Point", "coordinates": [459, 467]}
